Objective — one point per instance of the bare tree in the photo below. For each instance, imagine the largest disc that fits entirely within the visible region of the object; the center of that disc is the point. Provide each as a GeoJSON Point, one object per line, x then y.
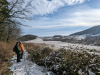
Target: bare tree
{"type": "Point", "coordinates": [17, 9]}
{"type": "Point", "coordinates": [12, 12]}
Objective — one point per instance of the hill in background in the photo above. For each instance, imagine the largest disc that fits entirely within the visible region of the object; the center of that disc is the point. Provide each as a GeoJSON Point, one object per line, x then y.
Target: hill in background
{"type": "Point", "coordinates": [27, 37]}
{"type": "Point", "coordinates": [93, 30]}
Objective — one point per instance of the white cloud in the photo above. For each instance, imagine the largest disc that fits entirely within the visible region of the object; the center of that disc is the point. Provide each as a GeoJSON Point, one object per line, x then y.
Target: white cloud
{"type": "Point", "coordinates": [71, 2]}
{"type": "Point", "coordinates": [44, 7]}
{"type": "Point", "coordinates": [77, 16]}
{"type": "Point", "coordinates": [89, 17]}
{"type": "Point", "coordinates": [85, 18]}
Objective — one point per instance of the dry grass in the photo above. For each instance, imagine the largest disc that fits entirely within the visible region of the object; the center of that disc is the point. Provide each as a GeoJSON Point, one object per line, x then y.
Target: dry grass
{"type": "Point", "coordinates": [38, 52]}
{"type": "Point", "coordinates": [31, 46]}
{"type": "Point", "coordinates": [6, 53]}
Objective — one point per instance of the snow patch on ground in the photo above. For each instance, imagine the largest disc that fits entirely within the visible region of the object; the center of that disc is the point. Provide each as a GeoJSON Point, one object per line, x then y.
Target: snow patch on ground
{"type": "Point", "coordinates": [59, 44]}
{"type": "Point", "coordinates": [26, 67]}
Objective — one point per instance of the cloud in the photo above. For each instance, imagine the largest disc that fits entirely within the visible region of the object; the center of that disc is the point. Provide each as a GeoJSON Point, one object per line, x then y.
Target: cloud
{"type": "Point", "coordinates": [78, 18]}
{"type": "Point", "coordinates": [66, 21]}
{"type": "Point", "coordinates": [44, 7]}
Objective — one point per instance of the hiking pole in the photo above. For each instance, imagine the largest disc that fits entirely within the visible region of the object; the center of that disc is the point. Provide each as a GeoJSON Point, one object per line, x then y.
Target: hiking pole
{"type": "Point", "coordinates": [25, 66]}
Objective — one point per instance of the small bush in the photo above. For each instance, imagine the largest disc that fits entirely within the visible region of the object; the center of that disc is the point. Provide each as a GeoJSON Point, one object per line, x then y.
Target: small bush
{"type": "Point", "coordinates": [87, 49]}
{"type": "Point", "coordinates": [71, 61]}
{"type": "Point", "coordinates": [38, 52]}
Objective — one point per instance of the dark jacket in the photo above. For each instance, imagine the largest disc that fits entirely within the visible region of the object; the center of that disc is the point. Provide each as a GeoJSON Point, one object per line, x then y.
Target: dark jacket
{"type": "Point", "coordinates": [17, 49]}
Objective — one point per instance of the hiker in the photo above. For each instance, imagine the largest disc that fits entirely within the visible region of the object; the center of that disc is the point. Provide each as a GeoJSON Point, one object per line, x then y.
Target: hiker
{"type": "Point", "coordinates": [18, 51]}
{"type": "Point", "coordinates": [22, 49]}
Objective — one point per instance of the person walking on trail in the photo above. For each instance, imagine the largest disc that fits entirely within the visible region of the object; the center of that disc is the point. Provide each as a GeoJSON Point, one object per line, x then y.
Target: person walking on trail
{"type": "Point", "coordinates": [22, 49]}
{"type": "Point", "coordinates": [18, 51]}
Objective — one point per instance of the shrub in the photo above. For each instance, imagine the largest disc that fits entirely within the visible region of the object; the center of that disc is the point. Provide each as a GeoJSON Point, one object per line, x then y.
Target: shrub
{"type": "Point", "coordinates": [87, 49]}
{"type": "Point", "coordinates": [64, 61]}
{"type": "Point", "coordinates": [71, 61]}
{"type": "Point", "coordinates": [38, 52]}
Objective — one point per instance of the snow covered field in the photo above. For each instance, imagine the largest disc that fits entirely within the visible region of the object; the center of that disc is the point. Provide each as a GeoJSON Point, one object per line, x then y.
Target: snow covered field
{"type": "Point", "coordinates": [59, 44]}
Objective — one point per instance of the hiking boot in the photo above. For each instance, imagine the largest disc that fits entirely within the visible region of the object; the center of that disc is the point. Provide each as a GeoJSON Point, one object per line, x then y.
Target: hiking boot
{"type": "Point", "coordinates": [18, 61]}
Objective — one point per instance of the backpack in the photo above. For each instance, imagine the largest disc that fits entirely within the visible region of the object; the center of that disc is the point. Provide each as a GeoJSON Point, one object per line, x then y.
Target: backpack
{"type": "Point", "coordinates": [17, 49]}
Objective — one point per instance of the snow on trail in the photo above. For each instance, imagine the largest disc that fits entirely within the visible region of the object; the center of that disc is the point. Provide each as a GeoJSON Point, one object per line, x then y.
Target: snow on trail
{"type": "Point", "coordinates": [26, 67]}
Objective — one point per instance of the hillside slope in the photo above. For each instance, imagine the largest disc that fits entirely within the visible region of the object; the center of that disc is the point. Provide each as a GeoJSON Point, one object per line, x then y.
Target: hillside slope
{"type": "Point", "coordinates": [93, 30]}
{"type": "Point", "coordinates": [27, 37]}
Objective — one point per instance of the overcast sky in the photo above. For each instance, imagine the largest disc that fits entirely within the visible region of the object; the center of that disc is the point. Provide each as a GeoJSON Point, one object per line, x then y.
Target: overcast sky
{"type": "Point", "coordinates": [62, 17]}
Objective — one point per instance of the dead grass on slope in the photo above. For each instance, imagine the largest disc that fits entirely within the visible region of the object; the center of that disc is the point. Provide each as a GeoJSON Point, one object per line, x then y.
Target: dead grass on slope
{"type": "Point", "coordinates": [6, 54]}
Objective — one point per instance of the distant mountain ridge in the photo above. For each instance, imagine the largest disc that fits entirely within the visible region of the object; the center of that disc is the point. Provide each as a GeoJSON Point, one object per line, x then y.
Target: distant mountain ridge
{"type": "Point", "coordinates": [27, 37]}
{"type": "Point", "coordinates": [93, 30]}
